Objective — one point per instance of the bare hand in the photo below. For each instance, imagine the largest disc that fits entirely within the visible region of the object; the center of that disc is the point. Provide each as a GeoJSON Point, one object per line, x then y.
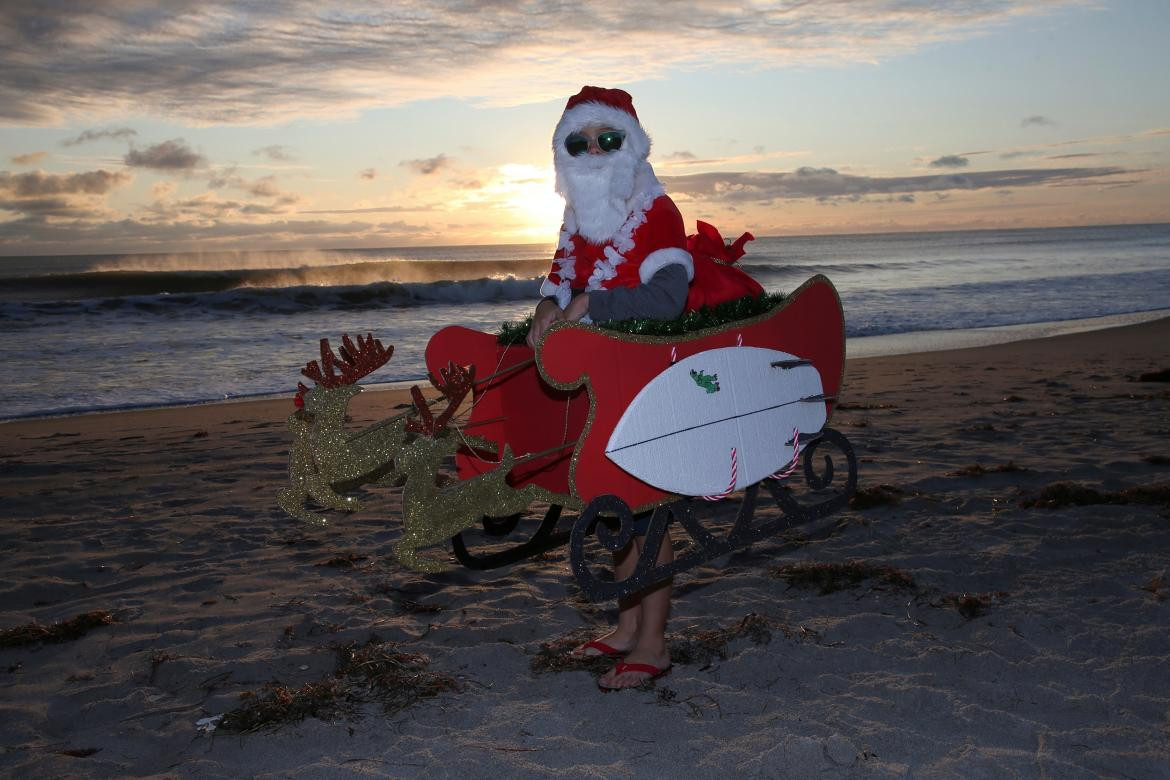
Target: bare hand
{"type": "Point", "coordinates": [546, 314]}
{"type": "Point", "coordinates": [577, 308]}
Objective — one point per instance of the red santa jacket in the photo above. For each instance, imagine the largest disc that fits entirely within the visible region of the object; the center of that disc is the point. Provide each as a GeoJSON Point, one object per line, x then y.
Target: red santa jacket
{"type": "Point", "coordinates": [652, 237]}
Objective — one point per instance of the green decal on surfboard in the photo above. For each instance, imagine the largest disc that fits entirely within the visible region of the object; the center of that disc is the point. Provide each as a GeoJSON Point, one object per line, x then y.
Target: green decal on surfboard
{"type": "Point", "coordinates": [709, 382]}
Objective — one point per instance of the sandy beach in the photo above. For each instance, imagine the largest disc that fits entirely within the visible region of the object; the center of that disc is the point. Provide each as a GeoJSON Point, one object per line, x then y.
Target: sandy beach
{"type": "Point", "coordinates": [992, 628]}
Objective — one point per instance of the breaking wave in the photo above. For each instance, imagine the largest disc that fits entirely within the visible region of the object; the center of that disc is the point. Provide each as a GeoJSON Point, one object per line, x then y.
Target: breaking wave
{"type": "Point", "coordinates": [411, 275]}
{"type": "Point", "coordinates": [288, 300]}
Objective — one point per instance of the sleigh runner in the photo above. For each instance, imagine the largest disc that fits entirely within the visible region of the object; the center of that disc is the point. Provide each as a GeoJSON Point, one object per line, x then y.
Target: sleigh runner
{"type": "Point", "coordinates": [608, 425]}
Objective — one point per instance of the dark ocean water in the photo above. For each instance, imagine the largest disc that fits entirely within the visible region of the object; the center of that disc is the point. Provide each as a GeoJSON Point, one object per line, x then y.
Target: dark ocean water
{"type": "Point", "coordinates": [96, 332]}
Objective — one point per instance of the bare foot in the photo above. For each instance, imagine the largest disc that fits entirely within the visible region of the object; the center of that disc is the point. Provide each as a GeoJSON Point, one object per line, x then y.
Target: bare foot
{"type": "Point", "coordinates": [610, 644]}
{"type": "Point", "coordinates": [637, 668]}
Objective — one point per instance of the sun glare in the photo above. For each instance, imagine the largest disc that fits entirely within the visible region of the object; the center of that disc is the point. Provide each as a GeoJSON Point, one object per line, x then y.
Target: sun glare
{"type": "Point", "coordinates": [527, 192]}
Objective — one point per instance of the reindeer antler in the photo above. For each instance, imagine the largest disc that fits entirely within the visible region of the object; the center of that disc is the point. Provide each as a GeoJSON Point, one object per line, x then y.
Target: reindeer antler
{"type": "Point", "coordinates": [455, 382]}
{"type": "Point", "coordinates": [354, 361]}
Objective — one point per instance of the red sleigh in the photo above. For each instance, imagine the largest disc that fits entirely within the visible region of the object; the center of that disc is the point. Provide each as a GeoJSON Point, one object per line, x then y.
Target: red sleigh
{"type": "Point", "coordinates": [558, 409]}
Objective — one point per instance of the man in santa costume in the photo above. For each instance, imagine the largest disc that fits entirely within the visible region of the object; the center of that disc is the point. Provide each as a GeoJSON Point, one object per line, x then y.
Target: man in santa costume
{"type": "Point", "coordinates": [622, 254]}
{"type": "Point", "coordinates": [623, 248]}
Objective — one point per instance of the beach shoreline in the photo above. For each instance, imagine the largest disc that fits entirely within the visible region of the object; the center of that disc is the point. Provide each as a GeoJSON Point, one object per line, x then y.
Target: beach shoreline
{"type": "Point", "coordinates": [1024, 640]}
{"type": "Point", "coordinates": [860, 348]}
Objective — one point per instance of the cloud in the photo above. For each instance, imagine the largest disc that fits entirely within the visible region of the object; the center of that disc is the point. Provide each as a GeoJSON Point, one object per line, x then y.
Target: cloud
{"type": "Point", "coordinates": [264, 187]}
{"type": "Point", "coordinates": [36, 183]}
{"type": "Point", "coordinates": [209, 206]}
{"type": "Point", "coordinates": [1038, 151]}
{"type": "Point", "coordinates": [688, 160]}
{"type": "Point", "coordinates": [173, 155]}
{"type": "Point", "coordinates": [828, 184]}
{"type": "Point", "coordinates": [76, 195]}
{"type": "Point", "coordinates": [373, 209]}
{"type": "Point", "coordinates": [32, 158]}
{"type": "Point", "coordinates": [48, 207]}
{"type": "Point", "coordinates": [368, 173]}
{"type": "Point", "coordinates": [205, 224]}
{"type": "Point", "coordinates": [1036, 120]}
{"type": "Point", "coordinates": [117, 133]}
{"type": "Point", "coordinates": [275, 152]}
{"type": "Point", "coordinates": [428, 165]}
{"type": "Point", "coordinates": [226, 61]}
{"type": "Point", "coordinates": [950, 161]}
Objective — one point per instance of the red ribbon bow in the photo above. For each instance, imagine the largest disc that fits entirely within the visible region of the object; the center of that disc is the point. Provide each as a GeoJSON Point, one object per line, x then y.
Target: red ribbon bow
{"type": "Point", "coordinates": [708, 241]}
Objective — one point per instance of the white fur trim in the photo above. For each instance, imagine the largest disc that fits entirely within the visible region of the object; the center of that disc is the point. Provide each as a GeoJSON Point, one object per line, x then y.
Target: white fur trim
{"type": "Point", "coordinates": [566, 268]}
{"type": "Point", "coordinates": [559, 291]}
{"type": "Point", "coordinates": [660, 258]}
{"type": "Point", "coordinates": [623, 239]}
{"type": "Point", "coordinates": [604, 270]}
{"type": "Point", "coordinates": [547, 288]}
{"type": "Point", "coordinates": [565, 241]}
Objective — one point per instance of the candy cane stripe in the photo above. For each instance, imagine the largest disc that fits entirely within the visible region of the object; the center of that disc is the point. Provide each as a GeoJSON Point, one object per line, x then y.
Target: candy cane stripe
{"type": "Point", "coordinates": [731, 484]}
{"type": "Point", "coordinates": [786, 472]}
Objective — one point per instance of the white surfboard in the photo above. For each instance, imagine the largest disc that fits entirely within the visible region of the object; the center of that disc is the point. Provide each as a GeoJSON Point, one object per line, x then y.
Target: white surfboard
{"type": "Point", "coordinates": [679, 431]}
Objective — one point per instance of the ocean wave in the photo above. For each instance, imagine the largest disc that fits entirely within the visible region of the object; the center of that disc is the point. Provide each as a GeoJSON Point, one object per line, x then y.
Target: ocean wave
{"type": "Point", "coordinates": [286, 300]}
{"type": "Point", "coordinates": [122, 283]}
{"type": "Point", "coordinates": [119, 282]}
{"type": "Point", "coordinates": [807, 269]}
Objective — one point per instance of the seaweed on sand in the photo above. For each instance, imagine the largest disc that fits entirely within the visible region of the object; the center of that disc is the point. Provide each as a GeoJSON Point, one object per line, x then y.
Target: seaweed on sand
{"type": "Point", "coordinates": [376, 672]}
{"type": "Point", "coordinates": [157, 659]}
{"type": "Point", "coordinates": [978, 470]}
{"type": "Point", "coordinates": [277, 705]}
{"type": "Point", "coordinates": [876, 495]}
{"type": "Point", "coordinates": [558, 656]}
{"type": "Point", "coordinates": [1155, 376]}
{"type": "Point", "coordinates": [370, 673]}
{"type": "Point", "coordinates": [1156, 587]}
{"type": "Point", "coordinates": [61, 631]}
{"type": "Point", "coordinates": [832, 577]}
{"type": "Point", "coordinates": [348, 561]}
{"type": "Point", "coordinates": [702, 647]}
{"type": "Point", "coordinates": [971, 605]}
{"type": "Point", "coordinates": [397, 594]}
{"type": "Point", "coordinates": [1062, 494]}
{"type": "Point", "coordinates": [686, 648]}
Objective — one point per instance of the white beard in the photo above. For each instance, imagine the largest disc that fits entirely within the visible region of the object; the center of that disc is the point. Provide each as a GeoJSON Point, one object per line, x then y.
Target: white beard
{"type": "Point", "coordinates": [597, 189]}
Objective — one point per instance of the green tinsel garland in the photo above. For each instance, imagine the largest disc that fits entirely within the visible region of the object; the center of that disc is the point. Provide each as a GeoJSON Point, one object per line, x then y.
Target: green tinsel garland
{"type": "Point", "coordinates": [700, 319]}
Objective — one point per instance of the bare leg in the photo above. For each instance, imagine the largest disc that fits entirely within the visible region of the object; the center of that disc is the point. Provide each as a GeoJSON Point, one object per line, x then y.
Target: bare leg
{"type": "Point", "coordinates": [625, 635]}
{"type": "Point", "coordinates": [650, 638]}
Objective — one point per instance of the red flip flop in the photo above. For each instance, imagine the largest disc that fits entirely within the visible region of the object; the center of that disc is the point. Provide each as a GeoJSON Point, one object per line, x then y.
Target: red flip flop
{"type": "Point", "coordinates": [652, 672]}
{"type": "Point", "coordinates": [595, 644]}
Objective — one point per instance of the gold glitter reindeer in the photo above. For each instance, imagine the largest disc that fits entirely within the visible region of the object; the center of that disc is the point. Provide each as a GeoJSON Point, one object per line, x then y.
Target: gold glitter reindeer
{"type": "Point", "coordinates": [407, 449]}
{"type": "Point", "coordinates": [432, 514]}
{"type": "Point", "coordinates": [325, 458]}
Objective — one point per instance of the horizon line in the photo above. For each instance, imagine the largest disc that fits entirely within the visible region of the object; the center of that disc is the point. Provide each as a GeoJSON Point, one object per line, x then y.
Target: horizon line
{"type": "Point", "coordinates": [552, 242]}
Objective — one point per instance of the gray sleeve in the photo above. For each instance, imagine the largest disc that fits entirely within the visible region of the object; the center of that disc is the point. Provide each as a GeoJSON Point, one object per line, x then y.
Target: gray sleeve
{"type": "Point", "coordinates": [662, 297]}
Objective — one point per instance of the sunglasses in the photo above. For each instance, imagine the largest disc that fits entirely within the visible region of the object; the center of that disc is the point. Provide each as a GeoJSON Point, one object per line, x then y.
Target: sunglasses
{"type": "Point", "coordinates": [609, 141]}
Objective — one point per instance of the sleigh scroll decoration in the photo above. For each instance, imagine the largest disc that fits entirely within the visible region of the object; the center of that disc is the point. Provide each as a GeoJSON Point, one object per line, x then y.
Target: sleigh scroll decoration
{"type": "Point", "coordinates": [606, 425]}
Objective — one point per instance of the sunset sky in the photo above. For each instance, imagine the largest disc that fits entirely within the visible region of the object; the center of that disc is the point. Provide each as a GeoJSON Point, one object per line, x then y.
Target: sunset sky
{"type": "Point", "coordinates": [142, 127]}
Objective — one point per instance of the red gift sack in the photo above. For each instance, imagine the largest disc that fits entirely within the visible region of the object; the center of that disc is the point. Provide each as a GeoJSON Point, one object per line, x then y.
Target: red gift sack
{"type": "Point", "coordinates": [716, 277]}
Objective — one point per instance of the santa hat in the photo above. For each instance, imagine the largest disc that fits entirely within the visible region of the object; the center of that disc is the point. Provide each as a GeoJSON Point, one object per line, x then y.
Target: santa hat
{"type": "Point", "coordinates": [599, 106]}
